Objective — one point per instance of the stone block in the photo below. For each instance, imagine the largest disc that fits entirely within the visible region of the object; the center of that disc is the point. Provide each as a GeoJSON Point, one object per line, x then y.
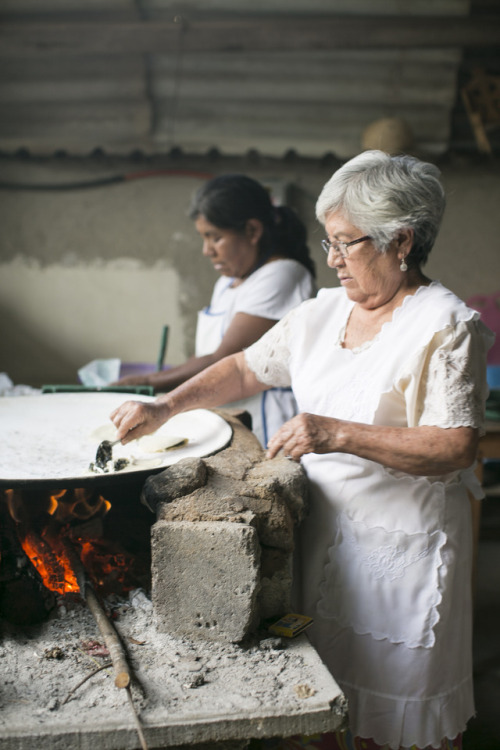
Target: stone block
{"type": "Point", "coordinates": [182, 478]}
{"type": "Point", "coordinates": [223, 585]}
{"type": "Point", "coordinates": [205, 579]}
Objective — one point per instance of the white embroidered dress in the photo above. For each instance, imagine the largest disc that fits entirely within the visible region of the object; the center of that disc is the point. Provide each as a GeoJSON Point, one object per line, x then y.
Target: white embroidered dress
{"type": "Point", "coordinates": [384, 556]}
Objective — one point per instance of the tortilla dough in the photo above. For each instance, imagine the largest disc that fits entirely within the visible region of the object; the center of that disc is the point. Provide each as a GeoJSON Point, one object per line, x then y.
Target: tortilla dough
{"type": "Point", "coordinates": [155, 443]}
{"type": "Point", "coordinates": [104, 432]}
{"type": "Point", "coordinates": [158, 443]}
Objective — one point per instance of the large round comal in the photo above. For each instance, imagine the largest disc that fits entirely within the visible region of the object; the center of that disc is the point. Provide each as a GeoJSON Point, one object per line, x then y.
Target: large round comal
{"type": "Point", "coordinates": [52, 439]}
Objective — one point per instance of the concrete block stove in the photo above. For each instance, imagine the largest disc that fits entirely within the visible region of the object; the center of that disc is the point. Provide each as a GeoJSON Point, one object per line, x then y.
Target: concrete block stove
{"type": "Point", "coordinates": [223, 541]}
{"type": "Point", "coordinates": [205, 669]}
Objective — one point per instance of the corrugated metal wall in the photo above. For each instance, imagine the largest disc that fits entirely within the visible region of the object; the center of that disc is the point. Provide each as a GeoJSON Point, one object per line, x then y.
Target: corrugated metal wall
{"type": "Point", "coordinates": [314, 103]}
{"type": "Point", "coordinates": [310, 101]}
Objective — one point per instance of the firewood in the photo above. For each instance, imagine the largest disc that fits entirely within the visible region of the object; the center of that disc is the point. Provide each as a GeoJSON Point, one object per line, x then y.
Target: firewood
{"type": "Point", "coordinates": [24, 600]}
{"type": "Point", "coordinates": [108, 632]}
{"type": "Point", "coordinates": [111, 638]}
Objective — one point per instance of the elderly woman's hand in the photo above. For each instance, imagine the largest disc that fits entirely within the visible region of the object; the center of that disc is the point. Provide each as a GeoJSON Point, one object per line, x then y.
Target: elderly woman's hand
{"type": "Point", "coordinates": [133, 419]}
{"type": "Point", "coordinates": [305, 433]}
{"type": "Point", "coordinates": [423, 451]}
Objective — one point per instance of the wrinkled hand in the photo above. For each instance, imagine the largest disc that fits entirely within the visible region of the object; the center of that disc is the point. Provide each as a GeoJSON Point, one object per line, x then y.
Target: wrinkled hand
{"type": "Point", "coordinates": [305, 433]}
{"type": "Point", "coordinates": [133, 419]}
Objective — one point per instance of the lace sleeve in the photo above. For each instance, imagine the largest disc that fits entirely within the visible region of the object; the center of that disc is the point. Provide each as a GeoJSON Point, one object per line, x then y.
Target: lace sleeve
{"type": "Point", "coordinates": [453, 387]}
{"type": "Point", "coordinates": [269, 357]}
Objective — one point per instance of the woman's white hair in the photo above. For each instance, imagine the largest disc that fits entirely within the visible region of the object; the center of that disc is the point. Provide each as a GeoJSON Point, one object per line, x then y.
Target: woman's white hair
{"type": "Point", "coordinates": [382, 194]}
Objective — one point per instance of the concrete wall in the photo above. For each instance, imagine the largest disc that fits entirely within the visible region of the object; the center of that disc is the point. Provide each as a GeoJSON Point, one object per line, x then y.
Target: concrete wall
{"type": "Point", "coordinates": [96, 272]}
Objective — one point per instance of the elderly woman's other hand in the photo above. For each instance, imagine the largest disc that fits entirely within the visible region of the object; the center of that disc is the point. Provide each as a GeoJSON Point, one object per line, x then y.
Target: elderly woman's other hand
{"type": "Point", "coordinates": [133, 419]}
{"type": "Point", "coordinates": [306, 433]}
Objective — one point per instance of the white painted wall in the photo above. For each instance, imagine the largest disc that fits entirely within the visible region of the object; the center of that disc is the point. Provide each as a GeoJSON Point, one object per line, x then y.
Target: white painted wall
{"type": "Point", "coordinates": [96, 273]}
{"type": "Point", "coordinates": [85, 313]}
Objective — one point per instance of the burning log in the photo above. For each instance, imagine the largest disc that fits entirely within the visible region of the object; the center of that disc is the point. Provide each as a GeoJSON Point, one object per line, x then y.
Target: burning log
{"type": "Point", "coordinates": [50, 558]}
{"type": "Point", "coordinates": [24, 600]}
{"type": "Point", "coordinates": [68, 573]}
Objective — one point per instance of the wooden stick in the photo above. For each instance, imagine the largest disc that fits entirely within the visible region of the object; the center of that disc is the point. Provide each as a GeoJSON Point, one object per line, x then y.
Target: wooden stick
{"type": "Point", "coordinates": [108, 632]}
{"type": "Point", "coordinates": [111, 638]}
{"type": "Point", "coordinates": [138, 726]}
{"type": "Point", "coordinates": [82, 682]}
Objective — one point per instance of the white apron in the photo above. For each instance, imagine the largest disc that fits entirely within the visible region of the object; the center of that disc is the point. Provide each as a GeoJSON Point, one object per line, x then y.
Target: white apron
{"type": "Point", "coordinates": [270, 409]}
{"type": "Point", "coordinates": [384, 557]}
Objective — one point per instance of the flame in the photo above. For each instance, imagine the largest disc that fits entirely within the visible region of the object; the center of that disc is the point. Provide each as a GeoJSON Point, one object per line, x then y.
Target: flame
{"type": "Point", "coordinates": [14, 504]}
{"type": "Point", "coordinates": [47, 521]}
{"type": "Point", "coordinates": [54, 501]}
{"type": "Point", "coordinates": [45, 548]}
{"type": "Point", "coordinates": [79, 504]}
{"type": "Point", "coordinates": [64, 505]}
{"type": "Point", "coordinates": [51, 561]}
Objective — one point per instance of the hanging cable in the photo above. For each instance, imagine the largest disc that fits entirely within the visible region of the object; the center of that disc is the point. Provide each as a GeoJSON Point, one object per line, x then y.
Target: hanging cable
{"type": "Point", "coordinates": [104, 181]}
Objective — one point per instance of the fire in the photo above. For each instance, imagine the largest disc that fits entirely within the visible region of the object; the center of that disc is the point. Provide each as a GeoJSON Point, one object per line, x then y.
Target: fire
{"type": "Point", "coordinates": [78, 504]}
{"type": "Point", "coordinates": [108, 568]}
{"type": "Point", "coordinates": [53, 504]}
{"type": "Point", "coordinates": [55, 526]}
{"type": "Point", "coordinates": [52, 563]}
{"type": "Point", "coordinates": [64, 505]}
{"type": "Point", "coordinates": [53, 512]}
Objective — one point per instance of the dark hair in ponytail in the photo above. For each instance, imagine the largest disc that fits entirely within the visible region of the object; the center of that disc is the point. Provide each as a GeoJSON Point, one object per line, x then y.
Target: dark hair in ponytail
{"type": "Point", "coordinates": [230, 201]}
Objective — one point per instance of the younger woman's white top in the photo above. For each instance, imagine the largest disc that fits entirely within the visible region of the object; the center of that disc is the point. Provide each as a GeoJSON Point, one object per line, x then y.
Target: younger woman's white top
{"type": "Point", "coordinates": [269, 292]}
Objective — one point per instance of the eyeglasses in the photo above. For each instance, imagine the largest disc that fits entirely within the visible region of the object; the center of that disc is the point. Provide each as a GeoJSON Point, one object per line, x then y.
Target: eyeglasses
{"type": "Point", "coordinates": [341, 247]}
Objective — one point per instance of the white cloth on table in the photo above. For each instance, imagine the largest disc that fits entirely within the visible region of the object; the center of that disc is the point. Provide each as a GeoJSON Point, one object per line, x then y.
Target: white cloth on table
{"type": "Point", "coordinates": [269, 292]}
{"type": "Point", "coordinates": [384, 557]}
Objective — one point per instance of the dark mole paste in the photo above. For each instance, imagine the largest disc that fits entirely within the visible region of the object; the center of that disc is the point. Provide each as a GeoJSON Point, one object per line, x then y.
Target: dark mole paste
{"type": "Point", "coordinates": [103, 463]}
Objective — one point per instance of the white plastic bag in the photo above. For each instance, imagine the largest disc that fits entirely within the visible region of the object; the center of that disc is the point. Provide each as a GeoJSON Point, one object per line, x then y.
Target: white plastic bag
{"type": "Point", "coordinates": [100, 372]}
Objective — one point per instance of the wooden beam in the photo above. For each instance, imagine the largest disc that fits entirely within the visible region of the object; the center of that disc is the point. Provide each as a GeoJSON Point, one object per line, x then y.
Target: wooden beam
{"type": "Point", "coordinates": [249, 33]}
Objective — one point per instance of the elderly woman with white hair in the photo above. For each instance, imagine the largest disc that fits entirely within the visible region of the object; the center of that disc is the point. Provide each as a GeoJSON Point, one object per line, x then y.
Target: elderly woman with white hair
{"type": "Point", "coordinates": [388, 371]}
